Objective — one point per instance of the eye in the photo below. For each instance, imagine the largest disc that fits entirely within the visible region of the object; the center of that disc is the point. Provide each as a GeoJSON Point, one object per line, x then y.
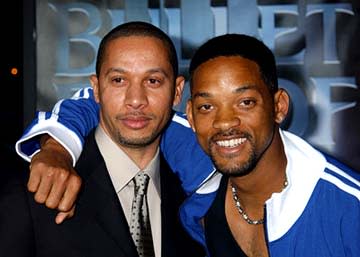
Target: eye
{"type": "Point", "coordinates": [205, 108]}
{"type": "Point", "coordinates": [247, 103]}
{"type": "Point", "coordinates": [154, 82]}
{"type": "Point", "coordinates": [118, 80]}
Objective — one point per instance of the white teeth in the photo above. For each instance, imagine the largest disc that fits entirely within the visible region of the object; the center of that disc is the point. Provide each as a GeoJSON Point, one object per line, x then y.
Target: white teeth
{"type": "Point", "coordinates": [231, 143]}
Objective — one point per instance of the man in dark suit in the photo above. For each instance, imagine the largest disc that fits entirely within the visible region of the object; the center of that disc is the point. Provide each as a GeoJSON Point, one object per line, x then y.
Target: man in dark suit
{"type": "Point", "coordinates": [99, 227]}
{"type": "Point", "coordinates": [136, 84]}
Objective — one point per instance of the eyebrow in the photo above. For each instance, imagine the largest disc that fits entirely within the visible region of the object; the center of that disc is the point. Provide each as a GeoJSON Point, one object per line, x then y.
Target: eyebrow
{"type": "Point", "coordinates": [201, 94]}
{"type": "Point", "coordinates": [160, 70]}
{"type": "Point", "coordinates": [239, 89]}
{"type": "Point", "coordinates": [120, 70]}
{"type": "Point", "coordinates": [153, 70]}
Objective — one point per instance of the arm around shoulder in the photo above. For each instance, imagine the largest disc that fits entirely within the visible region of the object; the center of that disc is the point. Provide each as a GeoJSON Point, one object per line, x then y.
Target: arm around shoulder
{"type": "Point", "coordinates": [68, 123]}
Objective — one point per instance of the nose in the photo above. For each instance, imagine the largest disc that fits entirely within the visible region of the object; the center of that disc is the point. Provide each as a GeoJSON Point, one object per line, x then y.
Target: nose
{"type": "Point", "coordinates": [136, 96]}
{"type": "Point", "coordinates": [225, 119]}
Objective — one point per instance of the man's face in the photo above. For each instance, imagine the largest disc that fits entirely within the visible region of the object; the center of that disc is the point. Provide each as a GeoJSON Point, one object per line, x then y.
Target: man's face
{"type": "Point", "coordinates": [232, 113]}
{"type": "Point", "coordinates": [136, 90]}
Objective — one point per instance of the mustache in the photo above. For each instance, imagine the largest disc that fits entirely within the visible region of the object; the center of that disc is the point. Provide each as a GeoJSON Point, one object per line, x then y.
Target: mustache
{"type": "Point", "coordinates": [134, 115]}
{"type": "Point", "coordinates": [230, 133]}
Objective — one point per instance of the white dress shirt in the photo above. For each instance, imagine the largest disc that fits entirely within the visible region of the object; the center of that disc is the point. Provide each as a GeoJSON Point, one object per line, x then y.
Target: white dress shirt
{"type": "Point", "coordinates": [122, 170]}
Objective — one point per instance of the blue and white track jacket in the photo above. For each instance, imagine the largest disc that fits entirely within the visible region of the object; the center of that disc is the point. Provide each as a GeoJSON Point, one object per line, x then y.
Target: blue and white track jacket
{"type": "Point", "coordinates": [318, 213]}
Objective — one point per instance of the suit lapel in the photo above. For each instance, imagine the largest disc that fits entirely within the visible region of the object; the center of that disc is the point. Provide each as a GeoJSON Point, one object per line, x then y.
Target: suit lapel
{"type": "Point", "coordinates": [175, 240]}
{"type": "Point", "coordinates": [100, 199]}
{"type": "Point", "coordinates": [171, 197]}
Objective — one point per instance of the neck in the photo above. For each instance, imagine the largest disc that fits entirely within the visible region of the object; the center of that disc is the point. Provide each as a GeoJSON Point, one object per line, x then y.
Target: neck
{"type": "Point", "coordinates": [141, 156]}
{"type": "Point", "coordinates": [265, 179]}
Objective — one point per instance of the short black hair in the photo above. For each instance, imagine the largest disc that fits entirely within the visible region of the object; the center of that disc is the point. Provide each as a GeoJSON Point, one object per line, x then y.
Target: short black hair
{"type": "Point", "coordinates": [239, 45]}
{"type": "Point", "coordinates": [138, 28]}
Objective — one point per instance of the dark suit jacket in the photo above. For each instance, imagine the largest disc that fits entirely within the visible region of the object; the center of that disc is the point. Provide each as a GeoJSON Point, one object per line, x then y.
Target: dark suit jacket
{"type": "Point", "coordinates": [99, 227]}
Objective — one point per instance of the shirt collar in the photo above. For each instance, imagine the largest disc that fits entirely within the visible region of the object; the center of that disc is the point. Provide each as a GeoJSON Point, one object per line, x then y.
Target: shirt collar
{"type": "Point", "coordinates": [120, 166]}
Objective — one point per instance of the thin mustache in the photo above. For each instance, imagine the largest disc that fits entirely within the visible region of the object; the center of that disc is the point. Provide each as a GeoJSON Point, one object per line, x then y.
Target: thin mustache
{"type": "Point", "coordinates": [232, 132]}
{"type": "Point", "coordinates": [134, 115]}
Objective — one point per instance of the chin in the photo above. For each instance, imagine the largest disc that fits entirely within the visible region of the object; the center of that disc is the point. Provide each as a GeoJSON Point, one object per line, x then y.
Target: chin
{"type": "Point", "coordinates": [233, 171]}
{"type": "Point", "coordinates": [238, 170]}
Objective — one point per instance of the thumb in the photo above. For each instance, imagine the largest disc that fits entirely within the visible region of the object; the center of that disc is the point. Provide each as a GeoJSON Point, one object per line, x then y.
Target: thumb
{"type": "Point", "coordinates": [61, 216]}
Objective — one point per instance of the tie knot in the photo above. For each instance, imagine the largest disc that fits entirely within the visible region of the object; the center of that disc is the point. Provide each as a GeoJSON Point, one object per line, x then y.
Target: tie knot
{"type": "Point", "coordinates": [141, 182]}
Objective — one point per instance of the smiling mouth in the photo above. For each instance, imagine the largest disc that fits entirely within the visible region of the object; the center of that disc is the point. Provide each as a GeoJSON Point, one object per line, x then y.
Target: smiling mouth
{"type": "Point", "coordinates": [231, 142]}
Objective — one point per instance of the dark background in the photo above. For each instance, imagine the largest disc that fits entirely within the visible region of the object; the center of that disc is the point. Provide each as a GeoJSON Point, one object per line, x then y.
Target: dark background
{"type": "Point", "coordinates": [11, 104]}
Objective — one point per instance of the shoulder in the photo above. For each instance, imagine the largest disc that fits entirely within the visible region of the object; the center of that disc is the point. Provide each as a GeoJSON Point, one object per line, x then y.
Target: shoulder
{"type": "Point", "coordinates": [341, 177]}
{"type": "Point", "coordinates": [90, 155]}
{"type": "Point", "coordinates": [170, 182]}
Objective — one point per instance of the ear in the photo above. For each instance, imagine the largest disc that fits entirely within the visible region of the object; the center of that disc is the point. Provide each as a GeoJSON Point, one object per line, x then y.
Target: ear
{"type": "Point", "coordinates": [189, 114]}
{"type": "Point", "coordinates": [282, 101]}
{"type": "Point", "coordinates": [95, 85]}
{"type": "Point", "coordinates": [179, 87]}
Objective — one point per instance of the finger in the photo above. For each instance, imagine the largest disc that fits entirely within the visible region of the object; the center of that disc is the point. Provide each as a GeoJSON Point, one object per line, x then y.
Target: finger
{"type": "Point", "coordinates": [34, 179]}
{"type": "Point", "coordinates": [57, 190]}
{"type": "Point", "coordinates": [70, 194]}
{"type": "Point", "coordinates": [45, 185]}
{"type": "Point", "coordinates": [61, 216]}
